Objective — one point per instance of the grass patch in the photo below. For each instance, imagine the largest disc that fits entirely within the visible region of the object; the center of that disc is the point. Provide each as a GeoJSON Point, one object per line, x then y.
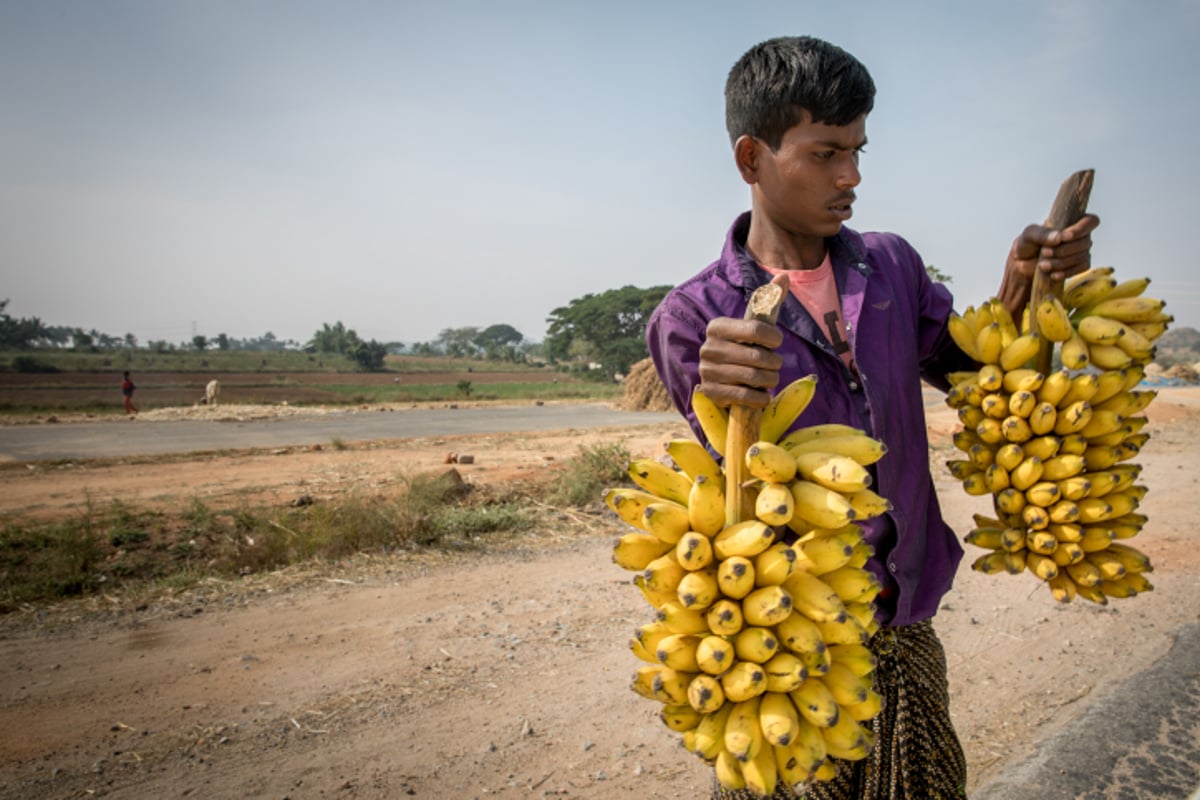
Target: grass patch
{"type": "Point", "coordinates": [121, 546]}
{"type": "Point", "coordinates": [592, 470]}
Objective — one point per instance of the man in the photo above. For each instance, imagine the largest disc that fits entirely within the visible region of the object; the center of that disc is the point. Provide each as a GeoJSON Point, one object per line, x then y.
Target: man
{"type": "Point", "coordinates": [864, 317]}
{"type": "Point", "coordinates": [127, 388]}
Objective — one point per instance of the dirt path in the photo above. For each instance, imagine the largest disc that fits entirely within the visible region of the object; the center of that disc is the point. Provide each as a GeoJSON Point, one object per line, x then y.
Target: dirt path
{"type": "Point", "coordinates": [483, 676]}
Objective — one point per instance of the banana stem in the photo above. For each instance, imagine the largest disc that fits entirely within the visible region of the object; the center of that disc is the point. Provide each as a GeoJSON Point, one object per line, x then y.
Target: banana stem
{"type": "Point", "coordinates": [1069, 206]}
{"type": "Point", "coordinates": [743, 420]}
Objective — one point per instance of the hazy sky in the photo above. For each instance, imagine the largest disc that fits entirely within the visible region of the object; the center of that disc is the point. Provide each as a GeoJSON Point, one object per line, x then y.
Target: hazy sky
{"type": "Point", "coordinates": [176, 167]}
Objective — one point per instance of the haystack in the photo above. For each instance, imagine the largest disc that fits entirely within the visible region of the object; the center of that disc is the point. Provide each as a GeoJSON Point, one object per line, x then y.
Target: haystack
{"type": "Point", "coordinates": [643, 389]}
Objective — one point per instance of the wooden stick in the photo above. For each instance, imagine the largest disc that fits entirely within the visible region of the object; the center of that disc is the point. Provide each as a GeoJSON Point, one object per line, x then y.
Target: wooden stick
{"type": "Point", "coordinates": [743, 420]}
{"type": "Point", "coordinates": [1069, 206]}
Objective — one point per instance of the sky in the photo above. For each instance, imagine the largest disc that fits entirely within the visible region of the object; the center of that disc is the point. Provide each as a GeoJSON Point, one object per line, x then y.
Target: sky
{"type": "Point", "coordinates": [171, 168]}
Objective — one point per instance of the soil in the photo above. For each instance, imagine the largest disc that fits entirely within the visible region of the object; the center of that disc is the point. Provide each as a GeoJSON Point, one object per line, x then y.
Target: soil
{"type": "Point", "coordinates": [500, 674]}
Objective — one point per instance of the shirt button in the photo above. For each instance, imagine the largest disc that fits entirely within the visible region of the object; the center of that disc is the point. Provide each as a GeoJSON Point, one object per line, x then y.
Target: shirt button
{"type": "Point", "coordinates": [853, 386]}
{"type": "Point", "coordinates": [892, 566]}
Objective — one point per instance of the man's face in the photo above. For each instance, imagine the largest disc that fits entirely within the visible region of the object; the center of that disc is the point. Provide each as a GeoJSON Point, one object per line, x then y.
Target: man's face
{"type": "Point", "coordinates": [807, 186]}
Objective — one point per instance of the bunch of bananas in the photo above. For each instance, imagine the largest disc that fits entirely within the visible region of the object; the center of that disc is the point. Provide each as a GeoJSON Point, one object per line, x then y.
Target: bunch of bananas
{"type": "Point", "coordinates": [1053, 450]}
{"type": "Point", "coordinates": [757, 646]}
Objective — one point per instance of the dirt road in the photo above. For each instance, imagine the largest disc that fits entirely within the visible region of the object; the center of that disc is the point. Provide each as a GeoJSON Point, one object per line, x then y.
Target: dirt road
{"type": "Point", "coordinates": [488, 676]}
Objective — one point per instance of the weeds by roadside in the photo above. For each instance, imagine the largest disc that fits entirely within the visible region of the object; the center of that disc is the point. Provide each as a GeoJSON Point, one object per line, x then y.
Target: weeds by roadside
{"type": "Point", "coordinates": [104, 549]}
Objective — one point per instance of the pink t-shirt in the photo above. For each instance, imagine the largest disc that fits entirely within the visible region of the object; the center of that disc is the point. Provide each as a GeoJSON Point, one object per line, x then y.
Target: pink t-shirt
{"type": "Point", "coordinates": [816, 289]}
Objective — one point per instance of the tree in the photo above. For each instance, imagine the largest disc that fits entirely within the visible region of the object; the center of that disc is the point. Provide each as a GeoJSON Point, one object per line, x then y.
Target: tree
{"type": "Point", "coordinates": [458, 342]}
{"type": "Point", "coordinates": [336, 338]}
{"type": "Point", "coordinates": [370, 355]}
{"type": "Point", "coordinates": [937, 275]}
{"type": "Point", "coordinates": [19, 334]}
{"type": "Point", "coordinates": [222, 341]}
{"type": "Point", "coordinates": [200, 342]}
{"type": "Point", "coordinates": [610, 327]}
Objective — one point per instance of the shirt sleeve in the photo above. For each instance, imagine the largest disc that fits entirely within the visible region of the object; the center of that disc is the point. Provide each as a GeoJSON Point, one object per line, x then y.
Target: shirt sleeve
{"type": "Point", "coordinates": [674, 334]}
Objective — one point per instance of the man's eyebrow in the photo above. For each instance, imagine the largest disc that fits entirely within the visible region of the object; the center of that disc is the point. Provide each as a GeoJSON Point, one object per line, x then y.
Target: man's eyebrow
{"type": "Point", "coordinates": [839, 146]}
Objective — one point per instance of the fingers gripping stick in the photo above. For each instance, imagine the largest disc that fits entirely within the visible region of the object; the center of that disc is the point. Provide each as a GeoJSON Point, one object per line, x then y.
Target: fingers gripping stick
{"type": "Point", "coordinates": [1069, 206]}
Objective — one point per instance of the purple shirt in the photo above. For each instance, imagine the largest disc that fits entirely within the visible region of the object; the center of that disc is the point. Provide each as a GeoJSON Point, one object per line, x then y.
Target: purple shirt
{"type": "Point", "coordinates": [896, 328]}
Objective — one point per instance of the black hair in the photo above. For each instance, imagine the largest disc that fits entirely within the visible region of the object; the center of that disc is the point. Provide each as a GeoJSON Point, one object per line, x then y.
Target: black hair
{"type": "Point", "coordinates": [776, 81]}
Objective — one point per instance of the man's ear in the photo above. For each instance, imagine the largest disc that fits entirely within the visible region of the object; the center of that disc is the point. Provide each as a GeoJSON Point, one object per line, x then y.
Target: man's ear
{"type": "Point", "coordinates": [746, 155]}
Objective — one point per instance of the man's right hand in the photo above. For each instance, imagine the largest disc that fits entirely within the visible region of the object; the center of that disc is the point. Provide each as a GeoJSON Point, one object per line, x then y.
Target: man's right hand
{"type": "Point", "coordinates": [738, 362]}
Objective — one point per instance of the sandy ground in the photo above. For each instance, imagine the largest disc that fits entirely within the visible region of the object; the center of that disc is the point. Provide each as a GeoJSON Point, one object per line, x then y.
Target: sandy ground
{"type": "Point", "coordinates": [477, 676]}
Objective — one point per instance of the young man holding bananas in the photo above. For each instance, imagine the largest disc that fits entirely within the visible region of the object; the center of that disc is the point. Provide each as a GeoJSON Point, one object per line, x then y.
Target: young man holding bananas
{"type": "Point", "coordinates": [866, 319]}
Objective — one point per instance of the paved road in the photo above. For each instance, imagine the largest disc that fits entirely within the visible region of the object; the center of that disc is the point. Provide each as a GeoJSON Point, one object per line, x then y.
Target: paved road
{"type": "Point", "coordinates": [1140, 742]}
{"type": "Point", "coordinates": [137, 437]}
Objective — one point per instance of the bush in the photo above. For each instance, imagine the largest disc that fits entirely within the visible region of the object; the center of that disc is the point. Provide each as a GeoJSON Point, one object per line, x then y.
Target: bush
{"type": "Point", "coordinates": [30, 364]}
{"type": "Point", "coordinates": [592, 470]}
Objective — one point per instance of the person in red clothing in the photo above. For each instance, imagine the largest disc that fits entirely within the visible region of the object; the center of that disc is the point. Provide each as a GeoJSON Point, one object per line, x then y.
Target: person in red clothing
{"type": "Point", "coordinates": [127, 388]}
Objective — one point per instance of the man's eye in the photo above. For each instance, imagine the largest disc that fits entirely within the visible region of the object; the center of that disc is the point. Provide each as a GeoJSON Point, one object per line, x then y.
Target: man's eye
{"type": "Point", "coordinates": [824, 155]}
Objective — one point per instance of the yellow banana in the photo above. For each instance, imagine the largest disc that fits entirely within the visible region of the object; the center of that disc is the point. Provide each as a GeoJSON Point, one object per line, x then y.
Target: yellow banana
{"type": "Point", "coordinates": [634, 550]}
{"type": "Point", "coordinates": [705, 694]}
{"type": "Point", "coordinates": [867, 504]}
{"type": "Point", "coordinates": [823, 430]}
{"type": "Point", "coordinates": [1073, 418]}
{"type": "Point", "coordinates": [995, 405]}
{"type": "Point", "coordinates": [706, 505]}
{"type": "Point", "coordinates": [1075, 488]}
{"type": "Point", "coordinates": [1062, 587]}
{"type": "Point", "coordinates": [654, 596]}
{"type": "Point", "coordinates": [710, 733]}
{"type": "Point", "coordinates": [816, 703]}
{"type": "Point", "coordinates": [1074, 352]}
{"type": "Point", "coordinates": [836, 472]}
{"type": "Point", "coordinates": [989, 343]}
{"type": "Point", "coordinates": [743, 733]}
{"type": "Point", "coordinates": [1055, 387]}
{"type": "Point", "coordinates": [744, 680]}
{"type": "Point", "coordinates": [714, 654]}
{"type": "Point", "coordinates": [821, 506]}
{"type": "Point", "coordinates": [1022, 403]}
{"type": "Point", "coordinates": [1085, 574]}
{"type": "Point", "coordinates": [785, 407]}
{"type": "Point", "coordinates": [678, 652]}
{"type": "Point", "coordinates": [866, 710]}
{"type": "Point", "coordinates": [778, 718]}
{"type": "Point", "coordinates": [847, 738]}
{"type": "Point", "coordinates": [827, 553]}
{"type": "Point", "coordinates": [856, 657]}
{"type": "Point", "coordinates": [643, 680]}
{"type": "Point", "coordinates": [990, 377]}
{"type": "Point", "coordinates": [682, 620]}
{"type": "Point", "coordinates": [770, 462]}
{"type": "Point", "coordinates": [963, 336]}
{"type": "Point", "coordinates": [1042, 566]}
{"type": "Point", "coordinates": [800, 759]}
{"type": "Point", "coordinates": [666, 521]}
{"type": "Point", "coordinates": [1111, 568]}
{"type": "Point", "coordinates": [661, 480]}
{"type": "Point", "coordinates": [1016, 429]}
{"type": "Point", "coordinates": [663, 574]}
{"type": "Point", "coordinates": [728, 771]}
{"type": "Point", "coordinates": [1027, 473]}
{"type": "Point", "coordinates": [670, 686]}
{"type": "Point", "coordinates": [1020, 351]}
{"type": "Point", "coordinates": [1053, 321]}
{"type": "Point", "coordinates": [767, 606]}
{"type": "Point", "coordinates": [1043, 493]}
{"type": "Point", "coordinates": [761, 773]}
{"type": "Point", "coordinates": [712, 418]}
{"type": "Point", "coordinates": [698, 589]}
{"type": "Point", "coordinates": [773, 565]}
{"type": "Point", "coordinates": [848, 631]}
{"type": "Point", "coordinates": [1089, 289]}
{"type": "Point", "coordinates": [1009, 501]}
{"type": "Point", "coordinates": [694, 551]}
{"type": "Point", "coordinates": [1133, 559]}
{"type": "Point", "coordinates": [785, 672]}
{"type": "Point", "coordinates": [639, 650]}
{"type": "Point", "coordinates": [725, 617]}
{"type": "Point", "coordinates": [1102, 423]}
{"type": "Point", "coordinates": [1043, 418]}
{"type": "Point", "coordinates": [693, 458]}
{"type": "Point", "coordinates": [846, 685]}
{"type": "Point", "coordinates": [1128, 309]}
{"type": "Point", "coordinates": [852, 584]}
{"type": "Point", "coordinates": [857, 446]}
{"type": "Point", "coordinates": [736, 576]}
{"type": "Point", "coordinates": [864, 613]}
{"type": "Point", "coordinates": [747, 538]}
{"type": "Point", "coordinates": [774, 504]}
{"type": "Point", "coordinates": [800, 634]}
{"type": "Point", "coordinates": [755, 644]}
{"type": "Point", "coordinates": [1100, 330]}
{"type": "Point", "coordinates": [1109, 356]}
{"type": "Point", "coordinates": [630, 504]}
{"type": "Point", "coordinates": [813, 597]}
